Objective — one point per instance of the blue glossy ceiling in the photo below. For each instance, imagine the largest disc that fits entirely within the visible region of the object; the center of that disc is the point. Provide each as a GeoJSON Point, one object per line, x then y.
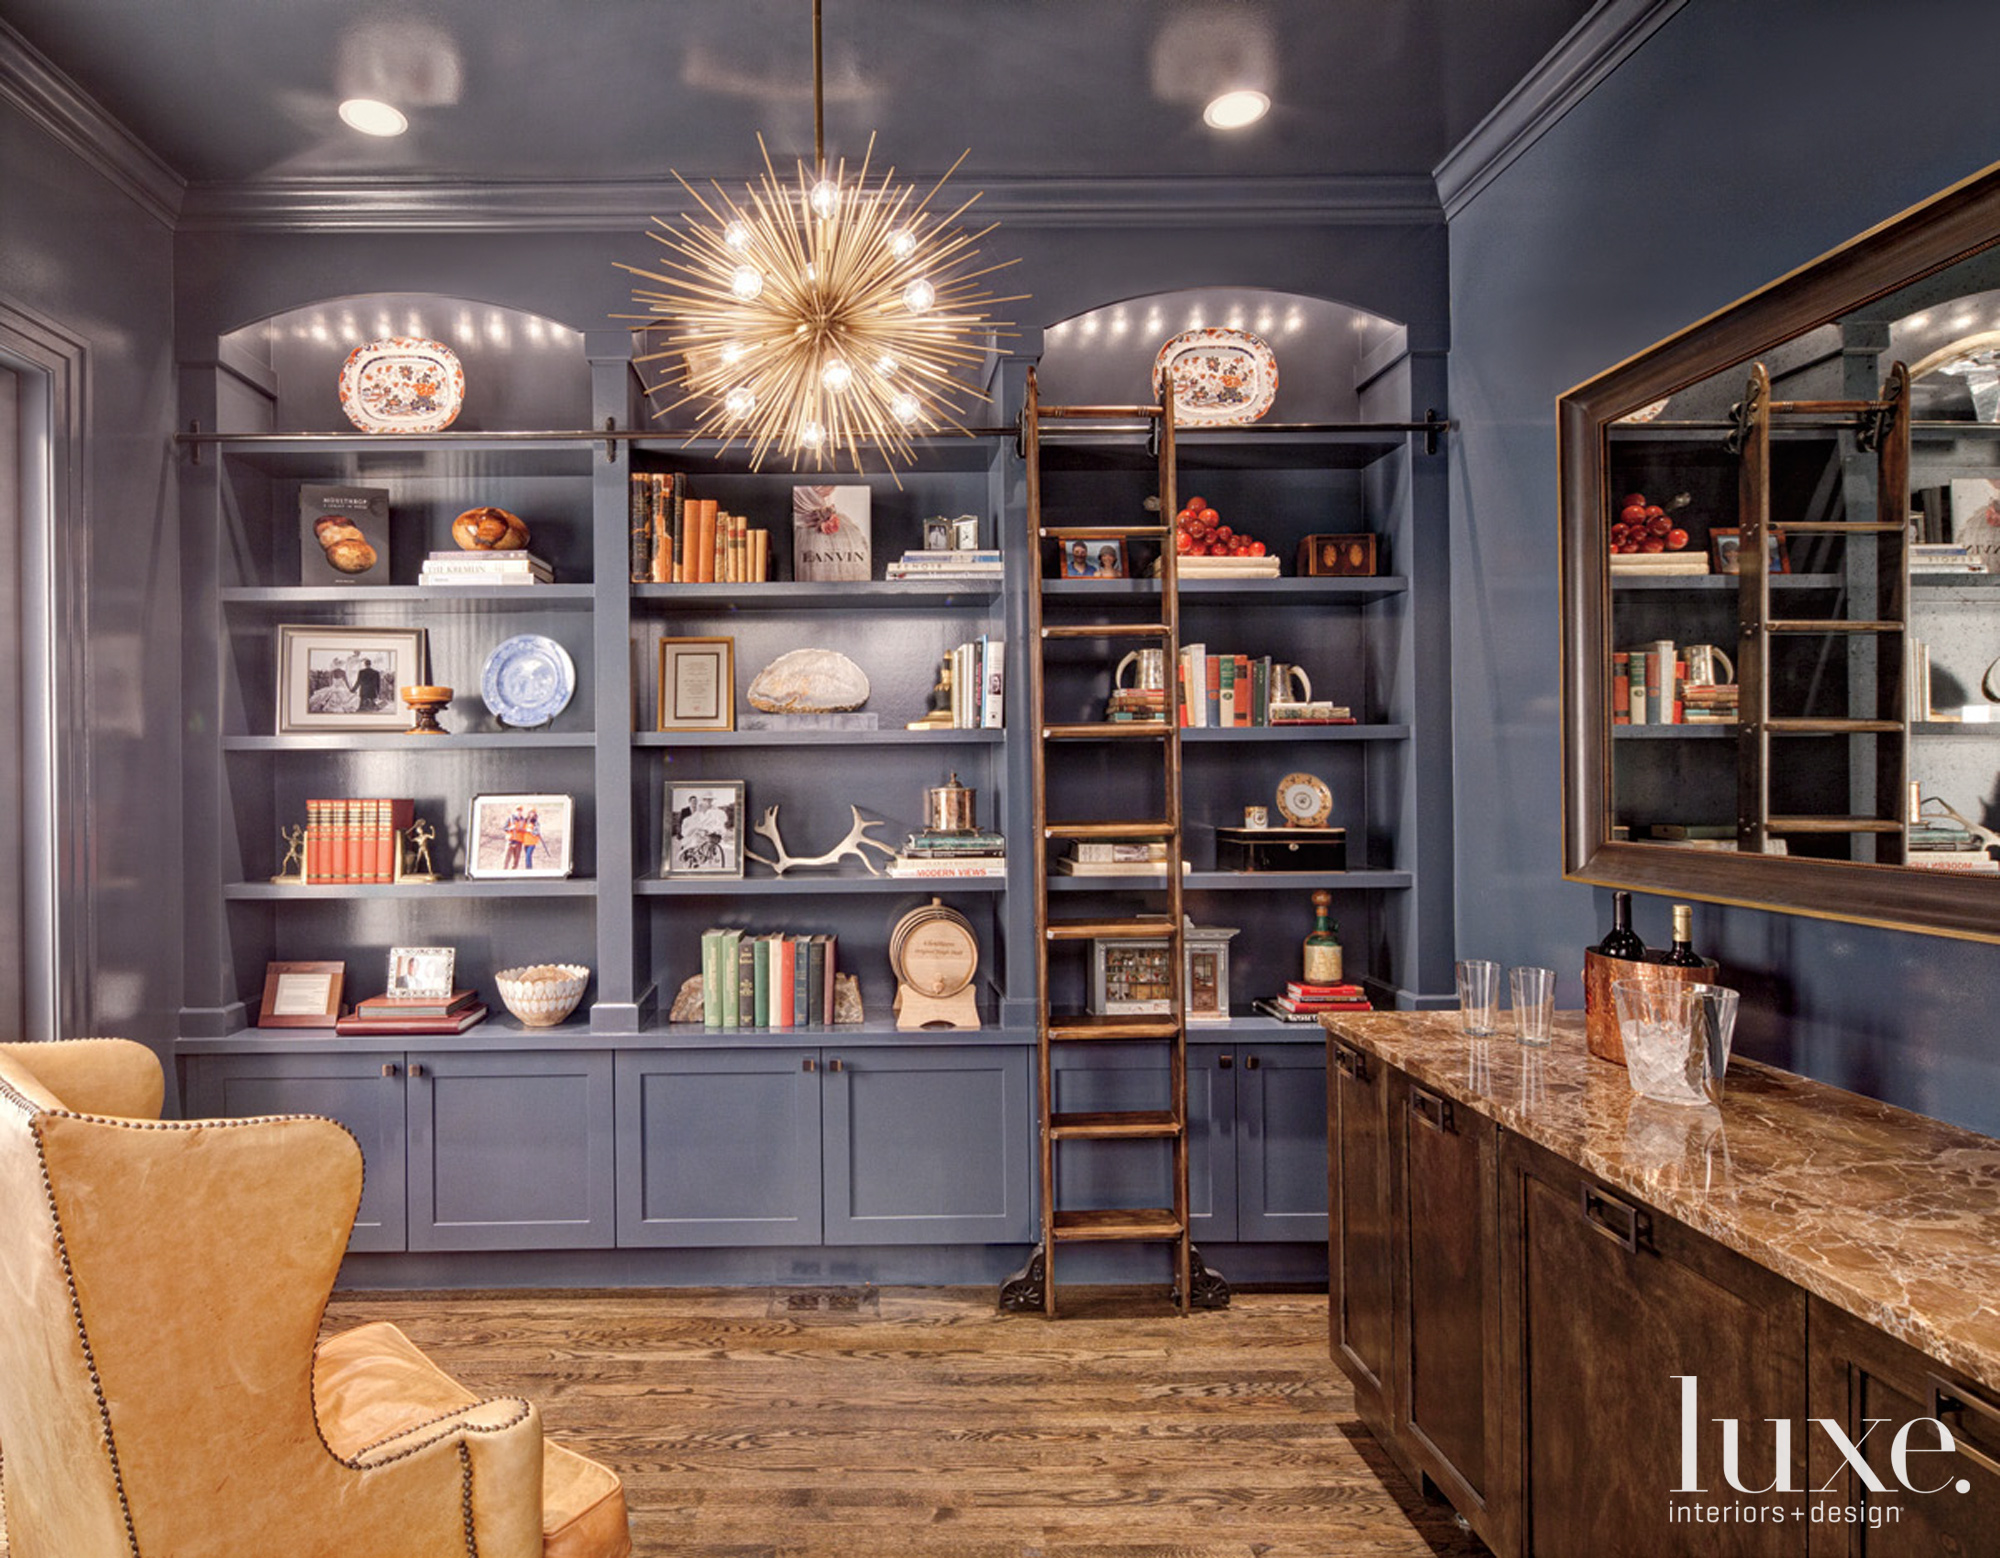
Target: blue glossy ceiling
{"type": "Point", "coordinates": [237, 91]}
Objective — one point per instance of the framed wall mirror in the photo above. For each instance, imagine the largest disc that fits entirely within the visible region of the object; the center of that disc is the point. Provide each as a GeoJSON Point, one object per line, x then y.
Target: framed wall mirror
{"type": "Point", "coordinates": [1781, 590]}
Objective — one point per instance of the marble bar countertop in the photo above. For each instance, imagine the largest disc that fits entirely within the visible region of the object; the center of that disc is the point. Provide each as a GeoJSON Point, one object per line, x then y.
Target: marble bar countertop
{"type": "Point", "coordinates": [1888, 1215]}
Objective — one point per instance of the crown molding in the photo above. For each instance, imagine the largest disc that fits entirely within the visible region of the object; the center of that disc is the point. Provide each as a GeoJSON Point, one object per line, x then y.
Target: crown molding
{"type": "Point", "coordinates": [319, 204]}
{"type": "Point", "coordinates": [55, 104]}
{"type": "Point", "coordinates": [1612, 32]}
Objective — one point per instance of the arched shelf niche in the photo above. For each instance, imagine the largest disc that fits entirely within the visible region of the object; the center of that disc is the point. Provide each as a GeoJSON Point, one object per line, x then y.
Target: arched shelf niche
{"type": "Point", "coordinates": [522, 371]}
{"type": "Point", "coordinates": [1327, 352]}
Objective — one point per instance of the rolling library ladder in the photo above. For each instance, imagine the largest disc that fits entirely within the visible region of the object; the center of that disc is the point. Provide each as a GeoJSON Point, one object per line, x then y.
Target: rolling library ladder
{"type": "Point", "coordinates": [1876, 585]}
{"type": "Point", "coordinates": [1155, 739]}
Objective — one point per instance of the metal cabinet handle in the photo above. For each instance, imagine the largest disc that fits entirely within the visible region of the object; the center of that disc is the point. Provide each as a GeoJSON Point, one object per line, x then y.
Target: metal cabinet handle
{"type": "Point", "coordinates": [809, 1064]}
{"type": "Point", "coordinates": [1619, 1221]}
{"type": "Point", "coordinates": [835, 1065]}
{"type": "Point", "coordinates": [1351, 1063]}
{"type": "Point", "coordinates": [1954, 1401]}
{"type": "Point", "coordinates": [1224, 1062]}
{"type": "Point", "coordinates": [1251, 1063]}
{"type": "Point", "coordinates": [389, 1068]}
{"type": "Point", "coordinates": [1433, 1110]}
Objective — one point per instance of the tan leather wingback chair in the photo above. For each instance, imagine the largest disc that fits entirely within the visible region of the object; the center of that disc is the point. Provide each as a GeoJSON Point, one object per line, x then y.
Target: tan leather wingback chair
{"type": "Point", "coordinates": [161, 1289]}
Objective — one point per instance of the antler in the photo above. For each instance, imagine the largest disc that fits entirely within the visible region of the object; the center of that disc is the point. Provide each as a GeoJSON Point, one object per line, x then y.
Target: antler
{"type": "Point", "coordinates": [853, 844]}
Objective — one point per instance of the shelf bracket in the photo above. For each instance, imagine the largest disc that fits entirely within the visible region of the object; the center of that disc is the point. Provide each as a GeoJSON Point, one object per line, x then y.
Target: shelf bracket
{"type": "Point", "coordinates": [610, 444]}
{"type": "Point", "coordinates": [1433, 425]}
{"type": "Point", "coordinates": [194, 441]}
{"type": "Point", "coordinates": [1743, 414]}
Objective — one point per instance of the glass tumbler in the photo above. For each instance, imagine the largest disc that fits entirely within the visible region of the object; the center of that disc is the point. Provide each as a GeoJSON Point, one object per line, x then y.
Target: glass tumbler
{"type": "Point", "coordinates": [1478, 997]}
{"type": "Point", "coordinates": [1534, 996]}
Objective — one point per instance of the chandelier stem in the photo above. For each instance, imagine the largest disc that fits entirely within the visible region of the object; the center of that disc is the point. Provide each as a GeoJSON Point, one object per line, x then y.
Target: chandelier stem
{"type": "Point", "coordinates": [819, 100]}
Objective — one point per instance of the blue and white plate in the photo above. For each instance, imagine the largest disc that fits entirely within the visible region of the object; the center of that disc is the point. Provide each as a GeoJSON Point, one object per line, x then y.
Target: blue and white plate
{"type": "Point", "coordinates": [528, 680]}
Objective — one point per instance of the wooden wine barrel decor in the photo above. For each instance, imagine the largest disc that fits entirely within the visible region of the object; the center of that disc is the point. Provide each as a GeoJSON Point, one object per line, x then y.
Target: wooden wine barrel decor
{"type": "Point", "coordinates": [935, 957]}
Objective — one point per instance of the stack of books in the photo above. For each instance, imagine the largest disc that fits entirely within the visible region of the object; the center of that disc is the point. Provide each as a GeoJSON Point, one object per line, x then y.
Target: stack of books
{"type": "Point", "coordinates": [1717, 837]}
{"type": "Point", "coordinates": [1945, 557]}
{"type": "Point", "coordinates": [1136, 703]}
{"type": "Point", "coordinates": [1304, 1002]}
{"type": "Point", "coordinates": [356, 840]}
{"type": "Point", "coordinates": [452, 1013]}
{"type": "Point", "coordinates": [1659, 565]}
{"type": "Point", "coordinates": [1115, 857]}
{"type": "Point", "coordinates": [460, 568]}
{"type": "Point", "coordinates": [950, 854]}
{"type": "Point", "coordinates": [940, 566]}
{"type": "Point", "coordinates": [1943, 844]}
{"type": "Point", "coordinates": [1709, 705]}
{"type": "Point", "coordinates": [770, 981]}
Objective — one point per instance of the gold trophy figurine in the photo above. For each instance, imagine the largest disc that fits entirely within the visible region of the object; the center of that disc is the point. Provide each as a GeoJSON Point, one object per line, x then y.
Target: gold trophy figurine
{"type": "Point", "coordinates": [293, 868]}
{"type": "Point", "coordinates": [938, 717]}
{"type": "Point", "coordinates": [413, 858]}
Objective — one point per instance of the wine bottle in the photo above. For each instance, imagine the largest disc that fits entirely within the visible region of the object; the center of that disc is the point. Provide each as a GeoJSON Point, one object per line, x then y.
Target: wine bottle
{"type": "Point", "coordinates": [1681, 954]}
{"type": "Point", "coordinates": [1621, 941]}
{"type": "Point", "coordinates": [1322, 947]}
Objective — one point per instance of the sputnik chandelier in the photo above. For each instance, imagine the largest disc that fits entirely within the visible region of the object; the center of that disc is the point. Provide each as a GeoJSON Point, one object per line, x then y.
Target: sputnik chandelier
{"type": "Point", "coordinates": [821, 317]}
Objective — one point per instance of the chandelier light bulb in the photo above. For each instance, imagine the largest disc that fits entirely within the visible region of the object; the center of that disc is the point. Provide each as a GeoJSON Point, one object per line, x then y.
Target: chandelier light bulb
{"type": "Point", "coordinates": [812, 435]}
{"type": "Point", "coordinates": [825, 198]}
{"type": "Point", "coordinates": [836, 375]}
{"type": "Point", "coordinates": [732, 353]}
{"type": "Point", "coordinates": [919, 295]}
{"type": "Point", "coordinates": [747, 284]}
{"type": "Point", "coordinates": [739, 403]}
{"type": "Point", "coordinates": [902, 243]}
{"type": "Point", "coordinates": [737, 236]}
{"type": "Point", "coordinates": [886, 366]}
{"type": "Point", "coordinates": [905, 408]}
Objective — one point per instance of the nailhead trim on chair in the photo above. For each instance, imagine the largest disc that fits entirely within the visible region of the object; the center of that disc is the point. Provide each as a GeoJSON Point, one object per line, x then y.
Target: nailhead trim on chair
{"type": "Point", "coordinates": [465, 1498]}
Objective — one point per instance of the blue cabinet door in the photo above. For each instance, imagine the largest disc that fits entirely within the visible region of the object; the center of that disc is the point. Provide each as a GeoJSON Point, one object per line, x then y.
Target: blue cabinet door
{"type": "Point", "coordinates": [363, 1092]}
{"type": "Point", "coordinates": [1125, 1174]}
{"type": "Point", "coordinates": [1281, 1142]}
{"type": "Point", "coordinates": [510, 1151]}
{"type": "Point", "coordinates": [719, 1147]}
{"type": "Point", "coordinates": [928, 1145]}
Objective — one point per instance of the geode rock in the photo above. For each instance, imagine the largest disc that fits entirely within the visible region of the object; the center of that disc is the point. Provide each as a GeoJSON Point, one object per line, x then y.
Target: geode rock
{"type": "Point", "coordinates": [687, 1004]}
{"type": "Point", "coordinates": [846, 998]}
{"type": "Point", "coordinates": [809, 681]}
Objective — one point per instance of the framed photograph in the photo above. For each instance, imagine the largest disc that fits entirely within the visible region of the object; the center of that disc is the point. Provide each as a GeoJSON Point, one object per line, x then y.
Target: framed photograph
{"type": "Point", "coordinates": [301, 995]}
{"type": "Point", "coordinates": [520, 836]}
{"type": "Point", "coordinates": [1094, 557]}
{"type": "Point", "coordinates": [347, 678]}
{"type": "Point", "coordinates": [703, 828]}
{"type": "Point", "coordinates": [420, 971]}
{"type": "Point", "coordinates": [938, 533]}
{"type": "Point", "coordinates": [1724, 545]}
{"type": "Point", "coordinates": [697, 684]}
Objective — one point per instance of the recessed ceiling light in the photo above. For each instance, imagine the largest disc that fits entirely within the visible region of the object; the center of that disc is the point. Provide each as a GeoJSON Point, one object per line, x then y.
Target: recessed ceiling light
{"type": "Point", "coordinates": [1233, 110]}
{"type": "Point", "coordinates": [372, 118]}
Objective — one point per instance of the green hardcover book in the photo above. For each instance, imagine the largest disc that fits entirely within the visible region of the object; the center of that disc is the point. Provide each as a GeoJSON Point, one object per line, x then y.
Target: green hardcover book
{"type": "Point", "coordinates": [816, 961]}
{"type": "Point", "coordinates": [711, 978]}
{"type": "Point", "coordinates": [676, 524]}
{"type": "Point", "coordinates": [760, 975]}
{"type": "Point", "coordinates": [1260, 691]}
{"type": "Point", "coordinates": [725, 975]}
{"type": "Point", "coordinates": [746, 979]}
{"type": "Point", "coordinates": [802, 1012]}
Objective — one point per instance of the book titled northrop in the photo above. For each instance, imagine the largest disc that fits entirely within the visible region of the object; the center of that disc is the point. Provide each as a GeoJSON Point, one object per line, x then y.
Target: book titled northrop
{"type": "Point", "coordinates": [830, 533]}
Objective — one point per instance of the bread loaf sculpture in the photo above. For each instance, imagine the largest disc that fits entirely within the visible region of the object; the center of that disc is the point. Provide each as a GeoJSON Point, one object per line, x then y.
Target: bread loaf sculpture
{"type": "Point", "coordinates": [489, 530]}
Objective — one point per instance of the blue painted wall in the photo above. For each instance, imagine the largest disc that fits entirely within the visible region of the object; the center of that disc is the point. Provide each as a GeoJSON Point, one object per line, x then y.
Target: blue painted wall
{"type": "Point", "coordinates": [79, 254]}
{"type": "Point", "coordinates": [1739, 142]}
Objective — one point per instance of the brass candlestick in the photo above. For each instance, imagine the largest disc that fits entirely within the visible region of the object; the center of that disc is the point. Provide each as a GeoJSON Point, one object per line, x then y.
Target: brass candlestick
{"type": "Point", "coordinates": [425, 702]}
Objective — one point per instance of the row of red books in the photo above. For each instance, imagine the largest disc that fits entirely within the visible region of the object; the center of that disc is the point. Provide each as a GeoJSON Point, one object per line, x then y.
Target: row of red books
{"type": "Point", "coordinates": [355, 839]}
{"type": "Point", "coordinates": [452, 1013]}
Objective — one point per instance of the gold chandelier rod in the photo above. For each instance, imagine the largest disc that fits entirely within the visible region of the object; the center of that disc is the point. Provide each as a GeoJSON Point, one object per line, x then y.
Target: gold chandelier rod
{"type": "Point", "coordinates": [819, 102]}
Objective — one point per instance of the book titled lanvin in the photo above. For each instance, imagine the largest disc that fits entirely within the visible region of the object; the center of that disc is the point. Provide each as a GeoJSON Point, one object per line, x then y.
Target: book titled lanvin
{"type": "Point", "coordinates": [830, 534]}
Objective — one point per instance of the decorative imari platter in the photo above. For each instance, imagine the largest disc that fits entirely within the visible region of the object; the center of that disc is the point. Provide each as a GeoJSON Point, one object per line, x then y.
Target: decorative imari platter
{"type": "Point", "coordinates": [1220, 376]}
{"type": "Point", "coordinates": [402, 385]}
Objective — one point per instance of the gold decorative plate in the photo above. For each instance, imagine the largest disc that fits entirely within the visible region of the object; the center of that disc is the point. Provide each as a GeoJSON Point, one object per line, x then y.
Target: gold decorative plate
{"type": "Point", "coordinates": [1304, 800]}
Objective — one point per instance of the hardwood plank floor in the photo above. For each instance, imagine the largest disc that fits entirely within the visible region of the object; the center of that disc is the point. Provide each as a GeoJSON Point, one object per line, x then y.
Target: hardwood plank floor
{"type": "Point", "coordinates": [922, 1424]}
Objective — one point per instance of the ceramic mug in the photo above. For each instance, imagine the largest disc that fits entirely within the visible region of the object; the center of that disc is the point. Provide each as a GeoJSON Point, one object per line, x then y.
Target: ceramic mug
{"type": "Point", "coordinates": [1152, 664]}
{"type": "Point", "coordinates": [1282, 678]}
{"type": "Point", "coordinates": [1704, 662]}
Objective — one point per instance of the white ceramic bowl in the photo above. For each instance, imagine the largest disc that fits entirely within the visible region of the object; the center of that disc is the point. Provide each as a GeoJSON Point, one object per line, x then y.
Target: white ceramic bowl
{"type": "Point", "coordinates": [544, 994]}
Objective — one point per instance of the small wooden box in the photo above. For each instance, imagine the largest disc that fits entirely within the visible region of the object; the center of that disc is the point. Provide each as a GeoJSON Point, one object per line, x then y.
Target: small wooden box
{"type": "Point", "coordinates": [1600, 1011]}
{"type": "Point", "coordinates": [1323, 557]}
{"type": "Point", "coordinates": [1281, 849]}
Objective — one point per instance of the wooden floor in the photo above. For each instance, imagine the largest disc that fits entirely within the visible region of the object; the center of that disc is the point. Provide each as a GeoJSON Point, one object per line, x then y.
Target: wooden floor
{"type": "Point", "coordinates": [918, 1423]}
{"type": "Point", "coordinates": [913, 1422]}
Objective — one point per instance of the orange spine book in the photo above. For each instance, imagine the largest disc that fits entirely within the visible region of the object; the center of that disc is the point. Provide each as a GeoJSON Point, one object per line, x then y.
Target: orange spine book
{"type": "Point", "coordinates": [704, 539]}
{"type": "Point", "coordinates": [783, 952]}
{"type": "Point", "coordinates": [350, 829]}
{"type": "Point", "coordinates": [315, 825]}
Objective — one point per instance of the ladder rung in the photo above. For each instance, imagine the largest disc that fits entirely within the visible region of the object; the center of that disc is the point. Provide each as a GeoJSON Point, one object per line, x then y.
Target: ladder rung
{"type": "Point", "coordinates": [1108, 730]}
{"type": "Point", "coordinates": [1097, 411]}
{"type": "Point", "coordinates": [1112, 1125]}
{"type": "Point", "coordinates": [1809, 407]}
{"type": "Point", "coordinates": [1148, 1222]}
{"type": "Point", "coordinates": [1156, 927]}
{"type": "Point", "coordinates": [1107, 630]}
{"type": "Point", "coordinates": [1831, 625]}
{"type": "Point", "coordinates": [1142, 831]}
{"type": "Point", "coordinates": [1092, 532]}
{"type": "Point", "coordinates": [1842, 527]}
{"type": "Point", "coordinates": [1834, 727]}
{"type": "Point", "coordinates": [1831, 825]}
{"type": "Point", "coordinates": [1094, 1030]}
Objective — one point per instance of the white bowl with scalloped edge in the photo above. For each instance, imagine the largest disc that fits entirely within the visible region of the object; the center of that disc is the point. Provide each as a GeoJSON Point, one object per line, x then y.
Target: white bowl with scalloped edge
{"type": "Point", "coordinates": [543, 994]}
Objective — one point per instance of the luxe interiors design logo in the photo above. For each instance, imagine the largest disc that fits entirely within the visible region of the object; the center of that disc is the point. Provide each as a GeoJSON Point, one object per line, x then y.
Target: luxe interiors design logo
{"type": "Point", "coordinates": [1821, 1505]}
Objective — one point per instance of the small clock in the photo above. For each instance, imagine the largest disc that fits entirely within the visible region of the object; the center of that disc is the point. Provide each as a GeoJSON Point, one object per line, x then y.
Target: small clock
{"type": "Point", "coordinates": [1304, 801]}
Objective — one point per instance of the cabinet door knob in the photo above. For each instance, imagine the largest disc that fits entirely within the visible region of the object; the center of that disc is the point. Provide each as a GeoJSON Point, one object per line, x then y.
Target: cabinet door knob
{"type": "Point", "coordinates": [416, 1068]}
{"type": "Point", "coordinates": [389, 1068]}
{"type": "Point", "coordinates": [809, 1064]}
{"type": "Point", "coordinates": [835, 1064]}
{"type": "Point", "coordinates": [1224, 1062]}
{"type": "Point", "coordinates": [1251, 1063]}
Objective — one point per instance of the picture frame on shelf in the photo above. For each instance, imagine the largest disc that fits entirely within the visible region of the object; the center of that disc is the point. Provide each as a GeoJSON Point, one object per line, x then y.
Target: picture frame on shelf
{"type": "Point", "coordinates": [1725, 542]}
{"type": "Point", "coordinates": [520, 836]}
{"type": "Point", "coordinates": [697, 684]}
{"type": "Point", "coordinates": [301, 995]}
{"type": "Point", "coordinates": [420, 972]}
{"type": "Point", "coordinates": [702, 828]}
{"type": "Point", "coordinates": [1094, 557]}
{"type": "Point", "coordinates": [938, 533]}
{"type": "Point", "coordinates": [347, 678]}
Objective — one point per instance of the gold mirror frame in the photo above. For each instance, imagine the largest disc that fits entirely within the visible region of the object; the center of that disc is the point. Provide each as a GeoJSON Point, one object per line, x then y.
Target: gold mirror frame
{"type": "Point", "coordinates": [1951, 226]}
